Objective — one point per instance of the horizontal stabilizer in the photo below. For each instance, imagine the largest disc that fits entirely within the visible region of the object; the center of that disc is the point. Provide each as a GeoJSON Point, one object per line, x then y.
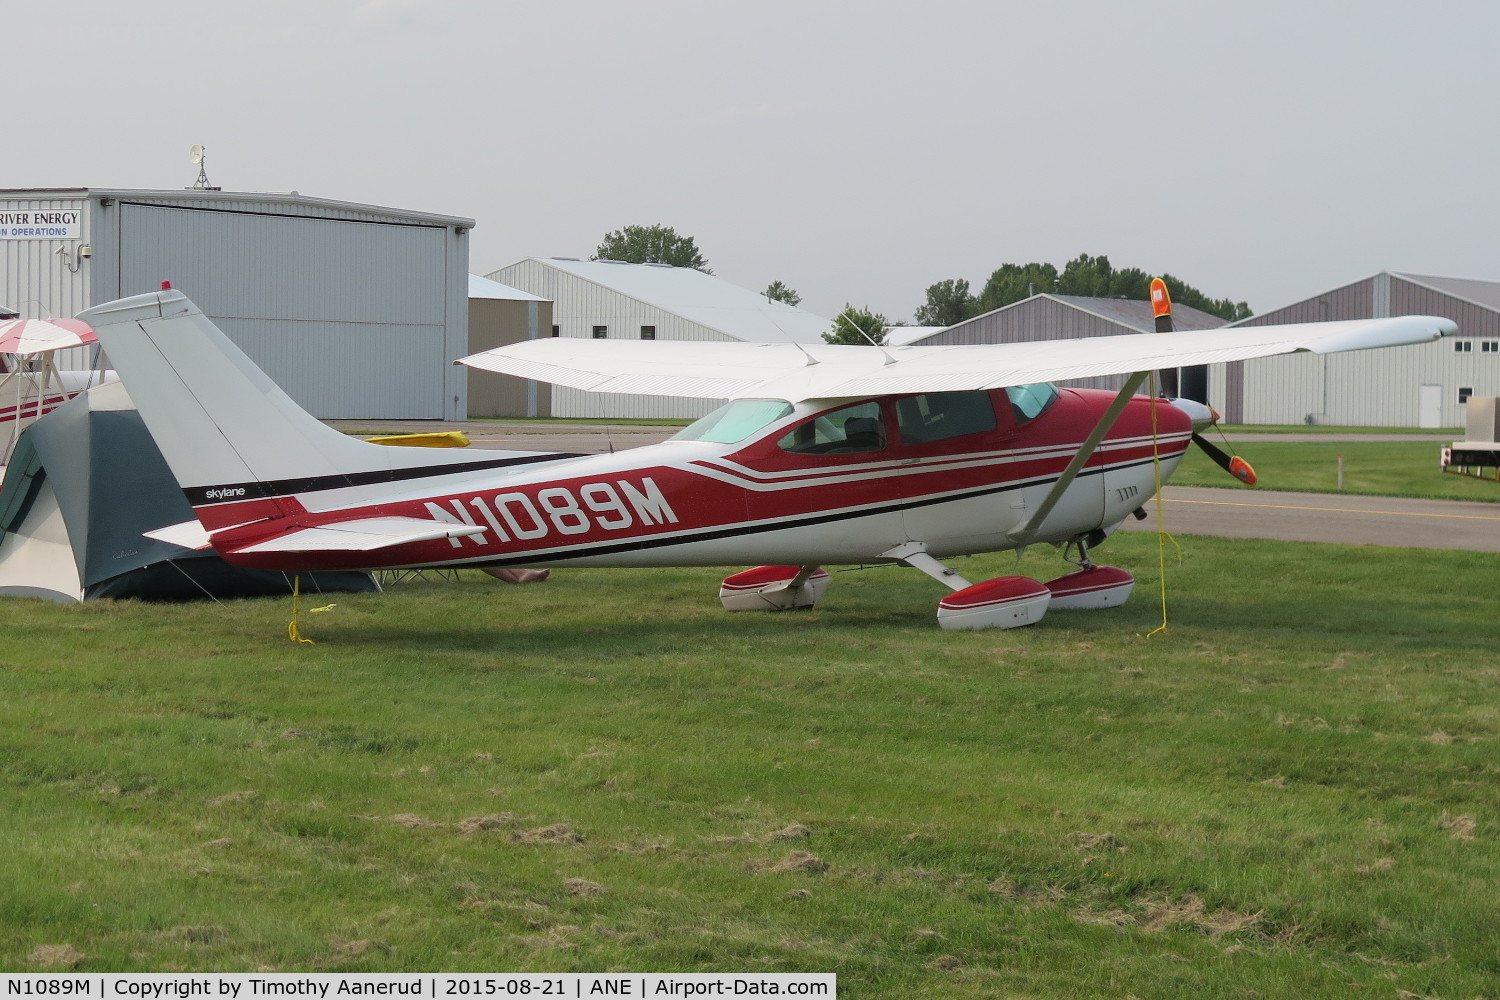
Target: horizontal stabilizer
{"type": "Point", "coordinates": [361, 535]}
{"type": "Point", "coordinates": [188, 534]}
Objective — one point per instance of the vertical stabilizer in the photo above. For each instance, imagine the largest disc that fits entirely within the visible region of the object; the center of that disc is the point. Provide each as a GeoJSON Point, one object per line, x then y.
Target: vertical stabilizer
{"type": "Point", "coordinates": [217, 418]}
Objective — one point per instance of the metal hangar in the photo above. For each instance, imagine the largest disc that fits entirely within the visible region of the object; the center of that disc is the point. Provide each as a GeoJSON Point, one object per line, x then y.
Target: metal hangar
{"type": "Point", "coordinates": [610, 299]}
{"type": "Point", "coordinates": [1061, 317]}
{"type": "Point", "coordinates": [499, 315]}
{"type": "Point", "coordinates": [1423, 385]}
{"type": "Point", "coordinates": [355, 310]}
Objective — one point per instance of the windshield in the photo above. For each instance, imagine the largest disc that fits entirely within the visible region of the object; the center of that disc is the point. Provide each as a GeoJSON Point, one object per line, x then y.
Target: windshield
{"type": "Point", "coordinates": [1030, 401]}
{"type": "Point", "coordinates": [734, 421]}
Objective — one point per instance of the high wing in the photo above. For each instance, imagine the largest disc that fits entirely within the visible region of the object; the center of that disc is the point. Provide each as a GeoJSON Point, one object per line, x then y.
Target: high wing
{"type": "Point", "coordinates": [715, 370]}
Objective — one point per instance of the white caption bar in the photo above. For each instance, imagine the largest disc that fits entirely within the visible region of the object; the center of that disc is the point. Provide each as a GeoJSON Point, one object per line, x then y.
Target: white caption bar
{"type": "Point", "coordinates": [335, 986]}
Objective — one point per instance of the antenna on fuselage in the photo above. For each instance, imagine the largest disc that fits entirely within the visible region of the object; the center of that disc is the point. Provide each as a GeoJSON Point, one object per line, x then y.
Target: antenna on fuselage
{"type": "Point", "coordinates": [865, 334]}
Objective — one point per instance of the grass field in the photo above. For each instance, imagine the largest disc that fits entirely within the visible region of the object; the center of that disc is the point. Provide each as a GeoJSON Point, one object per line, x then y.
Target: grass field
{"type": "Point", "coordinates": [1289, 793]}
{"type": "Point", "coordinates": [1375, 468]}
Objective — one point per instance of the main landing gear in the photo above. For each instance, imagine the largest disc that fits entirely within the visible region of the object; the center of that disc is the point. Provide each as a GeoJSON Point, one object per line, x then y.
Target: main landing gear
{"type": "Point", "coordinates": [1004, 602]}
{"type": "Point", "coordinates": [774, 588]}
{"type": "Point", "coordinates": [1013, 601]}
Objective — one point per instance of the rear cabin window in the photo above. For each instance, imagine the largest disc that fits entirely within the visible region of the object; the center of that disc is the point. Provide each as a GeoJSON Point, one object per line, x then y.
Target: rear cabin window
{"type": "Point", "coordinates": [849, 431]}
{"type": "Point", "coordinates": [938, 416]}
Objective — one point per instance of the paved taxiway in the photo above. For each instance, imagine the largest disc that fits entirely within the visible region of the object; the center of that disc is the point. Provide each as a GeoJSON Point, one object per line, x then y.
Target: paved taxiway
{"type": "Point", "coordinates": [1327, 517]}
{"type": "Point", "coordinates": [1186, 510]}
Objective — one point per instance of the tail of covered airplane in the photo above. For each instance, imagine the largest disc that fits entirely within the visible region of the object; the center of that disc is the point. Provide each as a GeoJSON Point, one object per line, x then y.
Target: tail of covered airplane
{"type": "Point", "coordinates": [241, 449]}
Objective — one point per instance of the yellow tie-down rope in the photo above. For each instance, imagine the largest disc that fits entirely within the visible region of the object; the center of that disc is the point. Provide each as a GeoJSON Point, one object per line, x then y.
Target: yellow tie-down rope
{"type": "Point", "coordinates": [1162, 538]}
{"type": "Point", "coordinates": [293, 629]}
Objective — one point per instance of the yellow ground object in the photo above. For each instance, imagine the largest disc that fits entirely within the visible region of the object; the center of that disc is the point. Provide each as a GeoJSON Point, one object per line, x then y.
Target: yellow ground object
{"type": "Point", "coordinates": [433, 439]}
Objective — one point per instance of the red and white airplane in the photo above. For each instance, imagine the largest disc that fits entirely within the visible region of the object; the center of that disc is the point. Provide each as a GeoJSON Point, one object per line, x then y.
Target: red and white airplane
{"type": "Point", "coordinates": [823, 455]}
{"type": "Point", "coordinates": [30, 382]}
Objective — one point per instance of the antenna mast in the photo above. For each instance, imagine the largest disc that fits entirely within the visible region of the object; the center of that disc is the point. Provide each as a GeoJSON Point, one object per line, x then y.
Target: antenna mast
{"type": "Point", "coordinates": [199, 155]}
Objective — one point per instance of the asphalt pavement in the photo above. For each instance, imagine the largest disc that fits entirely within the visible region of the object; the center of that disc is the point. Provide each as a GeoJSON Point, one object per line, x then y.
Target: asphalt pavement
{"type": "Point", "coordinates": [1326, 517]}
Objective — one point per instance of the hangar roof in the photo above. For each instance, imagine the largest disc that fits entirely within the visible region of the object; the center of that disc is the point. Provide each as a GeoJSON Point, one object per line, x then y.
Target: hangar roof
{"type": "Point", "coordinates": [702, 298]}
{"type": "Point", "coordinates": [233, 199]}
{"type": "Point", "coordinates": [1137, 315]}
{"type": "Point", "coordinates": [1132, 315]}
{"type": "Point", "coordinates": [485, 288]}
{"type": "Point", "coordinates": [1484, 293]}
{"type": "Point", "coordinates": [898, 336]}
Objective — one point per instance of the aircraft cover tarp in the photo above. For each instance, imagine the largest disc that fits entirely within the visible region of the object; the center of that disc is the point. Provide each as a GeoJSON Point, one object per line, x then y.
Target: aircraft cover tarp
{"type": "Point", "coordinates": [83, 485]}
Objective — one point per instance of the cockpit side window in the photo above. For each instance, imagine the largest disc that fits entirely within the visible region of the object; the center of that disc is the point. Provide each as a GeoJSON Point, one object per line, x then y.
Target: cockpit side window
{"type": "Point", "coordinates": [938, 416]}
{"type": "Point", "coordinates": [851, 430]}
{"type": "Point", "coordinates": [1028, 402]}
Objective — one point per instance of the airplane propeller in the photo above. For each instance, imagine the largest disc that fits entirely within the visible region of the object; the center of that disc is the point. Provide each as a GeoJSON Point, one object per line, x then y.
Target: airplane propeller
{"type": "Point", "coordinates": [1194, 383]}
{"type": "Point", "coordinates": [1232, 464]}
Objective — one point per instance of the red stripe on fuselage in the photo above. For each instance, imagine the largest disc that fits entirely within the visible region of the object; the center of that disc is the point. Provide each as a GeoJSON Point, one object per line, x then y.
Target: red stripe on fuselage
{"type": "Point", "coordinates": [753, 487]}
{"type": "Point", "coordinates": [29, 407]}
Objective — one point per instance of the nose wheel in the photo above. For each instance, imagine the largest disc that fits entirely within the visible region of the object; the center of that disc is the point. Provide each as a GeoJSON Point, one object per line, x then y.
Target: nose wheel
{"type": "Point", "coordinates": [1091, 586]}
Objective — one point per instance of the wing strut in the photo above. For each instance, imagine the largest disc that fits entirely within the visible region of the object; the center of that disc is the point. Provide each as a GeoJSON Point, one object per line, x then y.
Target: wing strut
{"type": "Point", "coordinates": [1029, 531]}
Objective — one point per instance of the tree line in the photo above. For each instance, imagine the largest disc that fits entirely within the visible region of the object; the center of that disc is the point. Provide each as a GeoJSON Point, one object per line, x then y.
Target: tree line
{"type": "Point", "coordinates": [949, 301]}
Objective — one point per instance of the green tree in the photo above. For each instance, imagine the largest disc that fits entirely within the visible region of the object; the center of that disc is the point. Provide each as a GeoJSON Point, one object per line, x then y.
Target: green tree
{"type": "Point", "coordinates": [948, 302]}
{"type": "Point", "coordinates": [1131, 283]}
{"type": "Point", "coordinates": [779, 292]}
{"type": "Point", "coordinates": [651, 245]}
{"type": "Point", "coordinates": [1085, 275]}
{"type": "Point", "coordinates": [1184, 294]}
{"type": "Point", "coordinates": [1014, 282]}
{"type": "Point", "coordinates": [858, 326]}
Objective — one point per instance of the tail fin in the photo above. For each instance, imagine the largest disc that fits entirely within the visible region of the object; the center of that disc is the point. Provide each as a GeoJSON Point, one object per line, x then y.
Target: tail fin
{"type": "Point", "coordinates": [223, 426]}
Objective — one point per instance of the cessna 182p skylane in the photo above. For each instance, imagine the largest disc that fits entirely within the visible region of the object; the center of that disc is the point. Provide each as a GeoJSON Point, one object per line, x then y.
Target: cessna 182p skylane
{"type": "Point", "coordinates": [823, 455]}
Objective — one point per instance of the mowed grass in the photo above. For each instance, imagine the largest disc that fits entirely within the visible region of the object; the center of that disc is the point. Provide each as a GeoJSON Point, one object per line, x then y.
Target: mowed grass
{"type": "Point", "coordinates": [1289, 793]}
{"type": "Point", "coordinates": [1373, 468]}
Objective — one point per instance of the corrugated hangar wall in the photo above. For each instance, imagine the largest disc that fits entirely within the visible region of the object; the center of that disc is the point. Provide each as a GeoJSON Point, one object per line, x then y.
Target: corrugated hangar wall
{"type": "Point", "coordinates": [579, 304]}
{"type": "Point", "coordinates": [1037, 318]}
{"type": "Point", "coordinates": [33, 279]}
{"type": "Point", "coordinates": [355, 311]}
{"type": "Point", "coordinates": [347, 317]}
{"type": "Point", "coordinates": [1413, 386]}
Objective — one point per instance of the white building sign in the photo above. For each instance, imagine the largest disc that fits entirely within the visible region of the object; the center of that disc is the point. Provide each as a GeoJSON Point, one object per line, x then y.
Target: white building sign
{"type": "Point", "coordinates": [41, 224]}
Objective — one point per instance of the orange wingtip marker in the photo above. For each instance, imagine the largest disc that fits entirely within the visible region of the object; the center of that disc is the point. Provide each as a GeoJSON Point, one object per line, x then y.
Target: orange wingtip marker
{"type": "Point", "coordinates": [1161, 302]}
{"type": "Point", "coordinates": [1240, 469]}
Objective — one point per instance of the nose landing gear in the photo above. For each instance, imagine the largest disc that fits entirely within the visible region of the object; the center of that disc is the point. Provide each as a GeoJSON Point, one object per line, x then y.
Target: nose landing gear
{"type": "Point", "coordinates": [1091, 586]}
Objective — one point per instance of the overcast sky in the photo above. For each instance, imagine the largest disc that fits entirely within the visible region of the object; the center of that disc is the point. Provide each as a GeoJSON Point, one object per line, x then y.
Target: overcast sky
{"type": "Point", "coordinates": [858, 152]}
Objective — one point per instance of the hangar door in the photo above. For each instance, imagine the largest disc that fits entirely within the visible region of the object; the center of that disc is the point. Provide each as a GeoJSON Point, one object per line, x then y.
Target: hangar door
{"type": "Point", "coordinates": [349, 318]}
